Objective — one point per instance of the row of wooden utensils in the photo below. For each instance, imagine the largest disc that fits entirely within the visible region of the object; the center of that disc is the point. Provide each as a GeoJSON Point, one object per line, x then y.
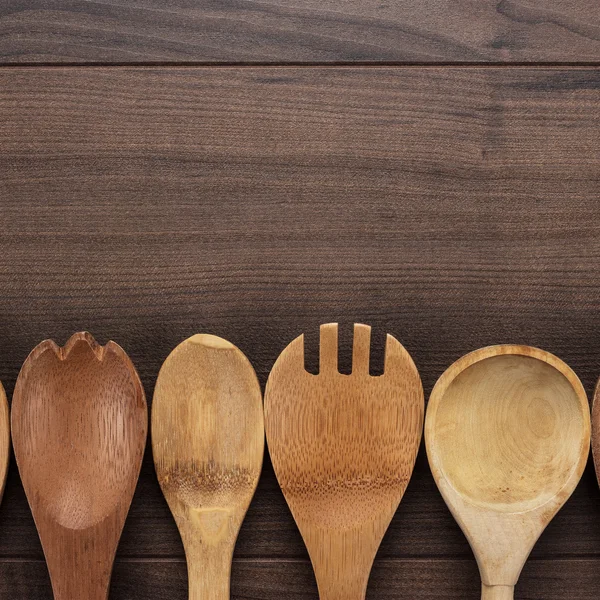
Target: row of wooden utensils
{"type": "Point", "coordinates": [507, 435]}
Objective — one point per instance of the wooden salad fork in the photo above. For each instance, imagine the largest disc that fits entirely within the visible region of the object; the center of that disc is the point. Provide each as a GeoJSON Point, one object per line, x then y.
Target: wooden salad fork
{"type": "Point", "coordinates": [79, 422]}
{"type": "Point", "coordinates": [208, 444]}
{"type": "Point", "coordinates": [508, 437]}
{"type": "Point", "coordinates": [343, 448]}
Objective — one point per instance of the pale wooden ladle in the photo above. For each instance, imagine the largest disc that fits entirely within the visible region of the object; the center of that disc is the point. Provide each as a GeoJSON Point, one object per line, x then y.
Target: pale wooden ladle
{"type": "Point", "coordinates": [4, 439]}
{"type": "Point", "coordinates": [79, 422]}
{"type": "Point", "coordinates": [208, 445]}
{"type": "Point", "coordinates": [343, 448]}
{"type": "Point", "coordinates": [508, 435]}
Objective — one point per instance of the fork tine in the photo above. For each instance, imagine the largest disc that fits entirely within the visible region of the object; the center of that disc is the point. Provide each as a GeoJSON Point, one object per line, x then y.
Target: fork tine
{"type": "Point", "coordinates": [328, 351]}
{"type": "Point", "coordinates": [361, 349]}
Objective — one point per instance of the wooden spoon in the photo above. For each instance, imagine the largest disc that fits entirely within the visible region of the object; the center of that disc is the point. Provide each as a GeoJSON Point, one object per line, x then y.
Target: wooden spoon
{"type": "Point", "coordinates": [596, 429]}
{"type": "Point", "coordinates": [508, 436]}
{"type": "Point", "coordinates": [4, 439]}
{"type": "Point", "coordinates": [79, 423]}
{"type": "Point", "coordinates": [208, 444]}
{"type": "Point", "coordinates": [343, 448]}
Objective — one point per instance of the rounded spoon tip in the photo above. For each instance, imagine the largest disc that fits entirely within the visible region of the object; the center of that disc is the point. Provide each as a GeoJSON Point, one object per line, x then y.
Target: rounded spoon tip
{"type": "Point", "coordinates": [211, 341]}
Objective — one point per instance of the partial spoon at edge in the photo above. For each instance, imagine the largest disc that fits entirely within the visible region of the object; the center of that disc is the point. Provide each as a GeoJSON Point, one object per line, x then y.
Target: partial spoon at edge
{"type": "Point", "coordinates": [596, 429]}
{"type": "Point", "coordinates": [507, 433]}
{"type": "Point", "coordinates": [79, 422]}
{"type": "Point", "coordinates": [208, 444]}
{"type": "Point", "coordinates": [4, 439]}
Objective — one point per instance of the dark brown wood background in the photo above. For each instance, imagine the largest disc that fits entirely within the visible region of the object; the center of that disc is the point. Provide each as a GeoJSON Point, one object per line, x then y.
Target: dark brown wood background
{"type": "Point", "coordinates": [253, 169]}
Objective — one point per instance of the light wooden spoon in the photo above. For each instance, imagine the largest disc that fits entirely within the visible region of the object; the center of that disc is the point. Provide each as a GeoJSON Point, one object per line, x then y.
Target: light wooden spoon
{"type": "Point", "coordinates": [343, 448]}
{"type": "Point", "coordinates": [208, 444]}
{"type": "Point", "coordinates": [508, 435]}
{"type": "Point", "coordinates": [79, 422]}
{"type": "Point", "coordinates": [4, 439]}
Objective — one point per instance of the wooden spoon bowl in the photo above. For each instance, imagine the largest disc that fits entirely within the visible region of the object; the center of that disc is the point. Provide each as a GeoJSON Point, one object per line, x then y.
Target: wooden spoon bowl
{"type": "Point", "coordinates": [79, 421]}
{"type": "Point", "coordinates": [208, 445]}
{"type": "Point", "coordinates": [343, 448]}
{"type": "Point", "coordinates": [507, 434]}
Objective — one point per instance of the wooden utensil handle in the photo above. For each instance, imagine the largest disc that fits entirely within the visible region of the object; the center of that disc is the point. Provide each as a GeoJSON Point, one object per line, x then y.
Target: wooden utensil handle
{"type": "Point", "coordinates": [80, 582]}
{"type": "Point", "coordinates": [81, 591]}
{"type": "Point", "coordinates": [209, 573]}
{"type": "Point", "coordinates": [497, 592]}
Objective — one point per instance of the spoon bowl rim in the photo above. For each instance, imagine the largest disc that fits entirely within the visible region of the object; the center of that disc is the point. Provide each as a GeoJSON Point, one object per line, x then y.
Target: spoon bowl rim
{"type": "Point", "coordinates": [477, 356]}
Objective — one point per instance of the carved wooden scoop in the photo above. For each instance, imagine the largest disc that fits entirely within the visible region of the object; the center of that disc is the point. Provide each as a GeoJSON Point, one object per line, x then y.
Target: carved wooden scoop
{"type": "Point", "coordinates": [208, 444]}
{"type": "Point", "coordinates": [79, 423]}
{"type": "Point", "coordinates": [343, 448]}
{"type": "Point", "coordinates": [4, 439]}
{"type": "Point", "coordinates": [508, 436]}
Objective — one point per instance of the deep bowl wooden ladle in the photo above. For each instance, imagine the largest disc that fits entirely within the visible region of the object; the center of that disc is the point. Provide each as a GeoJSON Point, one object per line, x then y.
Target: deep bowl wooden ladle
{"type": "Point", "coordinates": [208, 444]}
{"type": "Point", "coordinates": [79, 422]}
{"type": "Point", "coordinates": [508, 435]}
{"type": "Point", "coordinates": [343, 448]}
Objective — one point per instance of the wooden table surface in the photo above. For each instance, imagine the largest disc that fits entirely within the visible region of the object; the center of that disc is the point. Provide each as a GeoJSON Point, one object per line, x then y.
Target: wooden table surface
{"type": "Point", "coordinates": [253, 169]}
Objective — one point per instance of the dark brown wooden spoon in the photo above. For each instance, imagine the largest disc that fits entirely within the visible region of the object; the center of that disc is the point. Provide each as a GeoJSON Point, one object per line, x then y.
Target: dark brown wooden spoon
{"type": "Point", "coordinates": [79, 421]}
{"type": "Point", "coordinates": [4, 439]}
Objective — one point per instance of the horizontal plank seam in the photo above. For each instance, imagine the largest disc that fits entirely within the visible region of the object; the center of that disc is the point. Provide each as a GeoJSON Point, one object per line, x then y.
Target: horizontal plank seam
{"type": "Point", "coordinates": [307, 65]}
{"type": "Point", "coordinates": [271, 560]}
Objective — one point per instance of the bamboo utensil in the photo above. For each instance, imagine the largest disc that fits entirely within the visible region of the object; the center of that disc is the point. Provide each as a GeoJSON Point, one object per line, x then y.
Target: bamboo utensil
{"type": "Point", "coordinates": [79, 422]}
{"type": "Point", "coordinates": [4, 439]}
{"type": "Point", "coordinates": [507, 434]}
{"type": "Point", "coordinates": [208, 444]}
{"type": "Point", "coordinates": [343, 448]}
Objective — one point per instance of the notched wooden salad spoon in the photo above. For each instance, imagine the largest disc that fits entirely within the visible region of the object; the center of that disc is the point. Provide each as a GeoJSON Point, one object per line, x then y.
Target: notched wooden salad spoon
{"type": "Point", "coordinates": [343, 448]}
{"type": "Point", "coordinates": [508, 436]}
{"type": "Point", "coordinates": [208, 443]}
{"type": "Point", "coordinates": [79, 422]}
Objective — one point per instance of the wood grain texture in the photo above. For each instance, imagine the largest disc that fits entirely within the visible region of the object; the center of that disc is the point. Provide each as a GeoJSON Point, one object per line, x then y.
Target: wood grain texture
{"type": "Point", "coordinates": [430, 31]}
{"type": "Point", "coordinates": [343, 447]}
{"type": "Point", "coordinates": [508, 438]}
{"type": "Point", "coordinates": [208, 443]}
{"type": "Point", "coordinates": [453, 208]}
{"type": "Point", "coordinates": [79, 422]}
{"type": "Point", "coordinates": [269, 579]}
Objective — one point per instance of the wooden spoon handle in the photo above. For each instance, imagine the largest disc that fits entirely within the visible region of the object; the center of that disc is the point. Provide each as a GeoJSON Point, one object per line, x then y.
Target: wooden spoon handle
{"type": "Point", "coordinates": [341, 594]}
{"type": "Point", "coordinates": [209, 573]}
{"type": "Point", "coordinates": [81, 590]}
{"type": "Point", "coordinates": [497, 592]}
{"type": "Point", "coordinates": [84, 580]}
{"type": "Point", "coordinates": [208, 538]}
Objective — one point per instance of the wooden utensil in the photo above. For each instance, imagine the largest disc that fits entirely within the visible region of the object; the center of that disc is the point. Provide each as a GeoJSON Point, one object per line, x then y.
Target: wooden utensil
{"type": "Point", "coordinates": [208, 444]}
{"type": "Point", "coordinates": [507, 434]}
{"type": "Point", "coordinates": [343, 448]}
{"type": "Point", "coordinates": [4, 439]}
{"type": "Point", "coordinates": [79, 422]}
{"type": "Point", "coordinates": [596, 429]}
